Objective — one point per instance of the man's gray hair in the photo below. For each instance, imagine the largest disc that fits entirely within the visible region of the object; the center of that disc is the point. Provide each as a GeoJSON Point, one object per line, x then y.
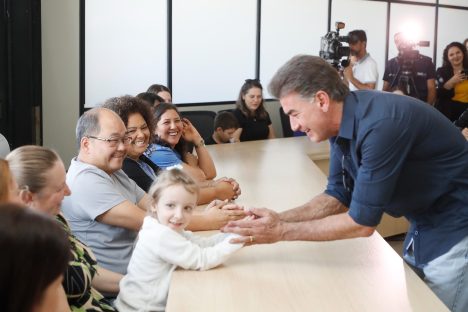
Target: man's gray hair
{"type": "Point", "coordinates": [305, 75]}
{"type": "Point", "coordinates": [88, 124]}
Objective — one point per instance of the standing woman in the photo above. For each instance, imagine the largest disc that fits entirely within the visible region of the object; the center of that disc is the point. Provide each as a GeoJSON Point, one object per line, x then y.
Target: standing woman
{"type": "Point", "coordinates": [254, 120]}
{"type": "Point", "coordinates": [452, 83]}
{"type": "Point", "coordinates": [40, 175]}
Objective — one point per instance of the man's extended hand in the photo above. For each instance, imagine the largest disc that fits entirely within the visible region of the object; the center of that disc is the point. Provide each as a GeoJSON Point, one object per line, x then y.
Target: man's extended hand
{"type": "Point", "coordinates": [262, 227]}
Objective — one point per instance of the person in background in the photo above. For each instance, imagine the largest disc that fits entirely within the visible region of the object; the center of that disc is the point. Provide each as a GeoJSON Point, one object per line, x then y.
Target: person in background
{"type": "Point", "coordinates": [421, 73]}
{"type": "Point", "coordinates": [164, 244]}
{"type": "Point", "coordinates": [225, 124]}
{"type": "Point", "coordinates": [254, 120]}
{"type": "Point", "coordinates": [362, 73]}
{"type": "Point", "coordinates": [8, 185]}
{"type": "Point", "coordinates": [452, 83]}
{"type": "Point", "coordinates": [465, 43]}
{"type": "Point", "coordinates": [138, 119]}
{"type": "Point", "coordinates": [35, 253]}
{"type": "Point", "coordinates": [388, 154]}
{"type": "Point", "coordinates": [41, 178]}
{"type": "Point", "coordinates": [161, 91]}
{"type": "Point", "coordinates": [152, 99]}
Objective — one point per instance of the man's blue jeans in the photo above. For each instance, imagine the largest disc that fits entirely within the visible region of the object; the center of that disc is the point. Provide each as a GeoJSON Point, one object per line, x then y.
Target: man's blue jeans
{"type": "Point", "coordinates": [447, 276]}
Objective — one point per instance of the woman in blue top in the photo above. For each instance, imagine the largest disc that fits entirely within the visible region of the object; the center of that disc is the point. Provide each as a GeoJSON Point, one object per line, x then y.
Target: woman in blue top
{"type": "Point", "coordinates": [170, 148]}
{"type": "Point", "coordinates": [254, 120]}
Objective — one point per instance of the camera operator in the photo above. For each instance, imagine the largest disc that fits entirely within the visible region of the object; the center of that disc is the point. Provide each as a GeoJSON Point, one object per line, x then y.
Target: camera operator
{"type": "Point", "coordinates": [362, 72]}
{"type": "Point", "coordinates": [420, 78]}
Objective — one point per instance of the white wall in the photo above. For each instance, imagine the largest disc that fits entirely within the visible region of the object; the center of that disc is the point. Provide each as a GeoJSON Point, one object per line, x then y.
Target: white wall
{"type": "Point", "coordinates": [60, 56]}
{"type": "Point", "coordinates": [60, 75]}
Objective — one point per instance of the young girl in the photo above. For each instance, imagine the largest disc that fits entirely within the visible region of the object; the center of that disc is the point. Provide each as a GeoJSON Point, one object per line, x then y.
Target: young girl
{"type": "Point", "coordinates": [163, 245]}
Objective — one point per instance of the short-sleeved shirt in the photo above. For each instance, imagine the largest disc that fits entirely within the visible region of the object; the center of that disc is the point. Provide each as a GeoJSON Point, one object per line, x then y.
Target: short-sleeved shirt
{"type": "Point", "coordinates": [423, 70]}
{"type": "Point", "coordinates": [163, 156]}
{"type": "Point", "coordinates": [94, 192]}
{"type": "Point", "coordinates": [365, 70]}
{"type": "Point", "coordinates": [398, 155]}
{"type": "Point", "coordinates": [253, 128]}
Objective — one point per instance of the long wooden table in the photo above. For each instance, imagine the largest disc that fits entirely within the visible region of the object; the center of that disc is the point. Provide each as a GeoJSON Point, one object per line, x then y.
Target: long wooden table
{"type": "Point", "coordinates": [363, 274]}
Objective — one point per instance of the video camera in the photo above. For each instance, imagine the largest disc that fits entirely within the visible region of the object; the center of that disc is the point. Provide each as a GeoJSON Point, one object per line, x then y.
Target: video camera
{"type": "Point", "coordinates": [408, 55]}
{"type": "Point", "coordinates": [332, 49]}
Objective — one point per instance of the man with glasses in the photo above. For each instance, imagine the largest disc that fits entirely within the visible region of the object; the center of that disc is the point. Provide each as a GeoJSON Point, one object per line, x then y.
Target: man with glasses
{"type": "Point", "coordinates": [106, 208]}
{"type": "Point", "coordinates": [389, 153]}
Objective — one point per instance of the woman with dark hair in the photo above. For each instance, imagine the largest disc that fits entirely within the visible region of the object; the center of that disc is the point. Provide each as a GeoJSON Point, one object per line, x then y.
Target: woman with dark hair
{"type": "Point", "coordinates": [171, 148]}
{"type": "Point", "coordinates": [254, 120]}
{"type": "Point", "coordinates": [452, 83]}
{"type": "Point", "coordinates": [138, 119]}
{"type": "Point", "coordinates": [162, 91]}
{"type": "Point", "coordinates": [35, 253]}
{"type": "Point", "coordinates": [140, 125]}
{"type": "Point", "coordinates": [152, 99]}
{"type": "Point", "coordinates": [41, 179]}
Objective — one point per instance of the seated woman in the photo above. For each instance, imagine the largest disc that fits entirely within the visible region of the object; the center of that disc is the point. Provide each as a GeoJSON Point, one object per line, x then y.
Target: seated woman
{"type": "Point", "coordinates": [40, 175]}
{"type": "Point", "coordinates": [452, 83]}
{"type": "Point", "coordinates": [35, 253]}
{"type": "Point", "coordinates": [254, 120]}
{"type": "Point", "coordinates": [161, 91]}
{"type": "Point", "coordinates": [139, 121]}
{"type": "Point", "coordinates": [170, 146]}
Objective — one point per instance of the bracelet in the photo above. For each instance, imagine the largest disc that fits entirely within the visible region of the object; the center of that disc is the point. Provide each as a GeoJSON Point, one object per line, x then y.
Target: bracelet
{"type": "Point", "coordinates": [200, 144]}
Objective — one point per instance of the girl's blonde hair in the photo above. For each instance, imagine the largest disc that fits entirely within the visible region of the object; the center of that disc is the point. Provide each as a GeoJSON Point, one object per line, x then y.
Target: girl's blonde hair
{"type": "Point", "coordinates": [168, 178]}
{"type": "Point", "coordinates": [28, 165]}
{"type": "Point", "coordinates": [5, 181]}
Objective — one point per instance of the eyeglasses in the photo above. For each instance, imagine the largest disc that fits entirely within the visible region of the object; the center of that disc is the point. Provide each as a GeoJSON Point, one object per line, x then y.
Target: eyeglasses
{"type": "Point", "coordinates": [348, 181]}
{"type": "Point", "coordinates": [113, 142]}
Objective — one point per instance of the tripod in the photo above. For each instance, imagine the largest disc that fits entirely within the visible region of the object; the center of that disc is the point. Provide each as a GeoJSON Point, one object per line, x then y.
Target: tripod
{"type": "Point", "coordinates": [405, 82]}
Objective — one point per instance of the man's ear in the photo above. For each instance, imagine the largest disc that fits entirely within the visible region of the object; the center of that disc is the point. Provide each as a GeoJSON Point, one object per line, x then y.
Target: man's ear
{"type": "Point", "coordinates": [219, 129]}
{"type": "Point", "coordinates": [84, 144]}
{"type": "Point", "coordinates": [323, 100]}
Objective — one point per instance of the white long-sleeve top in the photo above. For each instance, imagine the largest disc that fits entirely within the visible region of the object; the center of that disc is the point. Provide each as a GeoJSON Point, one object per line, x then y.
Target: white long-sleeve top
{"type": "Point", "coordinates": [158, 252]}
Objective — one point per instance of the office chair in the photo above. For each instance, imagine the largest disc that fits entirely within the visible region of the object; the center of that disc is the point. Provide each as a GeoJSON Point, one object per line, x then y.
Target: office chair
{"type": "Point", "coordinates": [202, 121]}
{"type": "Point", "coordinates": [285, 125]}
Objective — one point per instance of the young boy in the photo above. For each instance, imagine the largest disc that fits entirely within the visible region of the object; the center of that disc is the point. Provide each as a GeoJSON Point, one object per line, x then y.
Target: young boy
{"type": "Point", "coordinates": [225, 124]}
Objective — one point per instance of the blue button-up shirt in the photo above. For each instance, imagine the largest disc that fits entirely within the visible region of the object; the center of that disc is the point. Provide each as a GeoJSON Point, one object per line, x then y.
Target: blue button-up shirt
{"type": "Point", "coordinates": [398, 155]}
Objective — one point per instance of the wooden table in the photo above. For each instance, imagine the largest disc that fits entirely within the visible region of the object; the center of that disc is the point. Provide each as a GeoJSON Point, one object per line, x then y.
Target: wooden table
{"type": "Point", "coordinates": [362, 274]}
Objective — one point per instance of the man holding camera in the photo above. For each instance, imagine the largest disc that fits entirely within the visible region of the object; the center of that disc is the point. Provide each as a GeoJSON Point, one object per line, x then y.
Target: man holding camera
{"type": "Point", "coordinates": [362, 72]}
{"type": "Point", "coordinates": [410, 72]}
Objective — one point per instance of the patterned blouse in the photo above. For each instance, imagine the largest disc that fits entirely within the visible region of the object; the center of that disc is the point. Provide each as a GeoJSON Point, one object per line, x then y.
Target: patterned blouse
{"type": "Point", "coordinates": [81, 295]}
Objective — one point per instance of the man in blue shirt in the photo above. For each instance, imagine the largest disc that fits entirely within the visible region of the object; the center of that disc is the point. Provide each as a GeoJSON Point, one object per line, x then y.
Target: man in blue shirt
{"type": "Point", "coordinates": [389, 153]}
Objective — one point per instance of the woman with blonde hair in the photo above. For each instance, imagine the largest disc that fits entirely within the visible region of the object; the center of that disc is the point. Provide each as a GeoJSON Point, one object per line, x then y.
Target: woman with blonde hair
{"type": "Point", "coordinates": [40, 175]}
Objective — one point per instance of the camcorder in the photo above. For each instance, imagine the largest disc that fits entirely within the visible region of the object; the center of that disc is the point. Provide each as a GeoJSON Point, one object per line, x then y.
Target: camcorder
{"type": "Point", "coordinates": [332, 49]}
{"type": "Point", "coordinates": [408, 55]}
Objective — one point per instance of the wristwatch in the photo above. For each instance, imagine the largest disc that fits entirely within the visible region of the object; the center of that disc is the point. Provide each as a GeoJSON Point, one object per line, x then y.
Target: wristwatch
{"type": "Point", "coordinates": [201, 143]}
